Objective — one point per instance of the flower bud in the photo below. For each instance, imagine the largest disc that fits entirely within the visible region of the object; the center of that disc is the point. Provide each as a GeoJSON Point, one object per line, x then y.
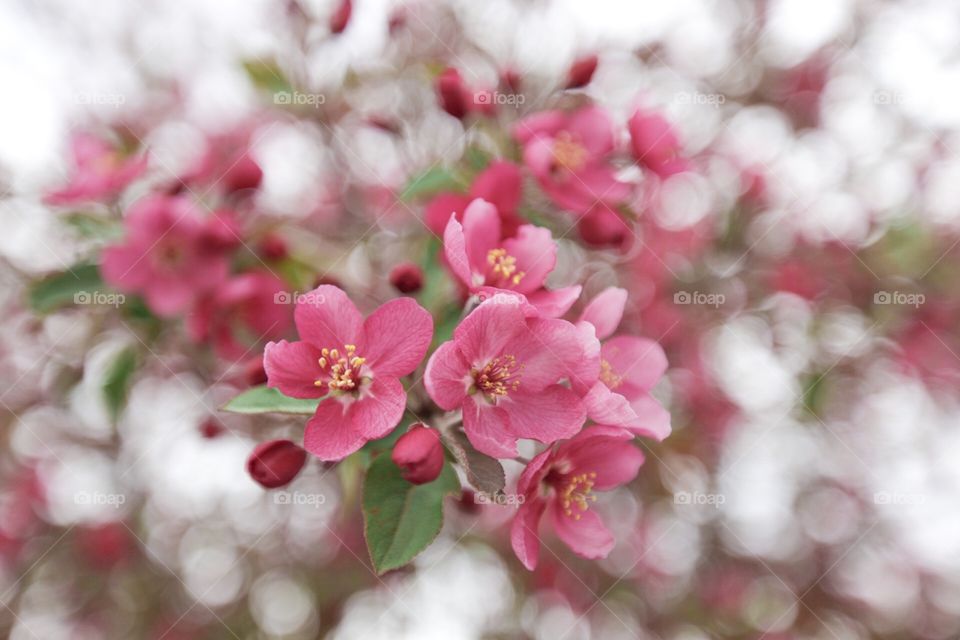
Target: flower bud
{"type": "Point", "coordinates": [275, 463]}
{"type": "Point", "coordinates": [406, 277]}
{"type": "Point", "coordinates": [655, 144]}
{"type": "Point", "coordinates": [581, 71]}
{"type": "Point", "coordinates": [452, 93]}
{"type": "Point", "coordinates": [419, 454]}
{"type": "Point", "coordinates": [341, 17]}
{"type": "Point", "coordinates": [245, 174]}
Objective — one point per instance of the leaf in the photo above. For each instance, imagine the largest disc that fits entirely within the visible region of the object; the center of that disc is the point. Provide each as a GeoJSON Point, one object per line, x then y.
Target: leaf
{"type": "Point", "coordinates": [91, 226]}
{"type": "Point", "coordinates": [61, 289]}
{"type": "Point", "coordinates": [263, 399]}
{"type": "Point", "coordinates": [401, 519]}
{"type": "Point", "coordinates": [432, 181]}
{"type": "Point", "coordinates": [117, 381]}
{"type": "Point", "coordinates": [267, 76]}
{"type": "Point", "coordinates": [483, 472]}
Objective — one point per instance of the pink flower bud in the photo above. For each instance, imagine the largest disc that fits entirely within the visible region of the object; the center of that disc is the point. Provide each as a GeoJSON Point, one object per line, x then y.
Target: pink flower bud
{"type": "Point", "coordinates": [419, 454]}
{"type": "Point", "coordinates": [273, 247]}
{"type": "Point", "coordinates": [243, 175]}
{"type": "Point", "coordinates": [275, 463]}
{"type": "Point", "coordinates": [406, 277]}
{"type": "Point", "coordinates": [655, 144]}
{"type": "Point", "coordinates": [341, 17]}
{"type": "Point", "coordinates": [452, 93]}
{"type": "Point", "coordinates": [581, 71]}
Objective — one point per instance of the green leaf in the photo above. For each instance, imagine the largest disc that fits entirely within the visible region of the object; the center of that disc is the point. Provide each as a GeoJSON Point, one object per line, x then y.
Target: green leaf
{"type": "Point", "coordinates": [401, 519]}
{"type": "Point", "coordinates": [431, 182]}
{"type": "Point", "coordinates": [267, 76]}
{"type": "Point", "coordinates": [117, 381]}
{"type": "Point", "coordinates": [263, 399]}
{"type": "Point", "coordinates": [94, 227]}
{"type": "Point", "coordinates": [61, 289]}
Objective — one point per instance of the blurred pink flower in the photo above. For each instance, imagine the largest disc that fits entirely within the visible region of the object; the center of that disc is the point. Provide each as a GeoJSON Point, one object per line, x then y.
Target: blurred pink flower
{"type": "Point", "coordinates": [101, 171]}
{"type": "Point", "coordinates": [500, 184]}
{"type": "Point", "coordinates": [561, 482]}
{"type": "Point", "coordinates": [569, 156]}
{"type": "Point", "coordinates": [484, 263]}
{"type": "Point", "coordinates": [655, 144]}
{"type": "Point", "coordinates": [629, 367]}
{"type": "Point", "coordinates": [241, 313]}
{"type": "Point", "coordinates": [355, 364]}
{"type": "Point", "coordinates": [171, 254]}
{"type": "Point", "coordinates": [503, 369]}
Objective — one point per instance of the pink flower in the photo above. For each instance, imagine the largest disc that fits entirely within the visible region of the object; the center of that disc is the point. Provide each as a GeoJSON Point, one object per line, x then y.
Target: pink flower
{"type": "Point", "coordinates": [500, 184]}
{"type": "Point", "coordinates": [242, 312]}
{"type": "Point", "coordinates": [581, 71]}
{"type": "Point", "coordinates": [503, 369]}
{"type": "Point", "coordinates": [655, 144]}
{"type": "Point", "coordinates": [629, 368]}
{"type": "Point", "coordinates": [568, 154]}
{"type": "Point", "coordinates": [419, 454]}
{"type": "Point", "coordinates": [172, 253]}
{"type": "Point", "coordinates": [484, 262]}
{"type": "Point", "coordinates": [100, 172]}
{"type": "Point", "coordinates": [561, 482]}
{"type": "Point", "coordinates": [355, 364]}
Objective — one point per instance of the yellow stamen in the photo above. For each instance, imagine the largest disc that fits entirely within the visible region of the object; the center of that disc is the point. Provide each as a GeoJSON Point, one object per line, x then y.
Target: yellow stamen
{"type": "Point", "coordinates": [608, 376]}
{"type": "Point", "coordinates": [578, 492]}
{"type": "Point", "coordinates": [498, 377]}
{"type": "Point", "coordinates": [343, 369]}
{"type": "Point", "coordinates": [568, 153]}
{"type": "Point", "coordinates": [505, 265]}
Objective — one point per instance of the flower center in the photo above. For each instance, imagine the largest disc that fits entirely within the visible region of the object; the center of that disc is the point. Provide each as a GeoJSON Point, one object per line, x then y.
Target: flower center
{"type": "Point", "coordinates": [577, 493]}
{"type": "Point", "coordinates": [608, 376]}
{"type": "Point", "coordinates": [499, 377]}
{"type": "Point", "coordinates": [568, 153]}
{"type": "Point", "coordinates": [504, 265]}
{"type": "Point", "coordinates": [342, 368]}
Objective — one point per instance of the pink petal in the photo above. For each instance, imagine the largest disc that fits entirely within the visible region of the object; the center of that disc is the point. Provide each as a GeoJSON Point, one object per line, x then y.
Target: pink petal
{"type": "Point", "coordinates": [551, 349]}
{"type": "Point", "coordinates": [455, 251]}
{"type": "Point", "coordinates": [587, 537]}
{"type": "Point", "coordinates": [639, 363]}
{"type": "Point", "coordinates": [327, 318]}
{"type": "Point", "coordinates": [554, 303]}
{"type": "Point", "coordinates": [396, 337]}
{"type": "Point", "coordinates": [168, 297]}
{"type": "Point", "coordinates": [523, 532]}
{"type": "Point", "coordinates": [605, 311]}
{"type": "Point", "coordinates": [549, 415]}
{"type": "Point", "coordinates": [543, 123]}
{"type": "Point", "coordinates": [488, 429]}
{"type": "Point", "coordinates": [606, 407]}
{"type": "Point", "coordinates": [292, 368]}
{"type": "Point", "coordinates": [125, 267]}
{"type": "Point", "coordinates": [481, 232]}
{"type": "Point", "coordinates": [533, 473]}
{"type": "Point", "coordinates": [652, 420]}
{"type": "Point", "coordinates": [481, 336]}
{"type": "Point", "coordinates": [536, 255]}
{"type": "Point", "coordinates": [438, 212]}
{"type": "Point", "coordinates": [601, 184]}
{"type": "Point", "coordinates": [500, 184]}
{"type": "Point", "coordinates": [379, 409]}
{"type": "Point", "coordinates": [329, 435]}
{"type": "Point", "coordinates": [606, 451]}
{"type": "Point", "coordinates": [447, 376]}
{"type": "Point", "coordinates": [591, 127]}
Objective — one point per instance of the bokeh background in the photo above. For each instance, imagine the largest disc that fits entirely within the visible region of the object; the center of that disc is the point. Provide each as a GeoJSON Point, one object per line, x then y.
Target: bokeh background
{"type": "Point", "coordinates": [803, 281]}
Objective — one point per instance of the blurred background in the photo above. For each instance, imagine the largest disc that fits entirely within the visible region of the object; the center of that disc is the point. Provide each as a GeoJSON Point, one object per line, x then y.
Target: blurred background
{"type": "Point", "coordinates": [802, 279]}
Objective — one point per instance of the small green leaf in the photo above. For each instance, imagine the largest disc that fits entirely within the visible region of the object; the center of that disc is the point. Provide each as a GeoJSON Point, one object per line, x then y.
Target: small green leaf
{"type": "Point", "coordinates": [431, 182]}
{"type": "Point", "coordinates": [95, 227]}
{"type": "Point", "coordinates": [263, 399]}
{"type": "Point", "coordinates": [267, 76]}
{"type": "Point", "coordinates": [61, 289]}
{"type": "Point", "coordinates": [117, 381]}
{"type": "Point", "coordinates": [401, 519]}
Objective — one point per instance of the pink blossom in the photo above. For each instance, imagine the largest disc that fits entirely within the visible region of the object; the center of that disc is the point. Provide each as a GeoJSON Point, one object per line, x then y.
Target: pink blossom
{"type": "Point", "coordinates": [629, 367]}
{"type": "Point", "coordinates": [499, 184]}
{"type": "Point", "coordinates": [569, 156]}
{"type": "Point", "coordinates": [172, 253]}
{"type": "Point", "coordinates": [100, 172]}
{"type": "Point", "coordinates": [655, 143]}
{"type": "Point", "coordinates": [581, 71]}
{"type": "Point", "coordinates": [561, 481]}
{"type": "Point", "coordinates": [485, 263]}
{"type": "Point", "coordinates": [242, 312]}
{"type": "Point", "coordinates": [503, 368]}
{"type": "Point", "coordinates": [355, 364]}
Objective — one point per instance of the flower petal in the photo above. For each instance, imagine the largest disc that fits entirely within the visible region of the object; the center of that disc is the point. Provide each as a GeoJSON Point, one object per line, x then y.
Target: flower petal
{"type": "Point", "coordinates": [447, 376]}
{"type": "Point", "coordinates": [554, 303]}
{"type": "Point", "coordinates": [482, 335]}
{"type": "Point", "coordinates": [547, 415]}
{"type": "Point", "coordinates": [536, 254]}
{"type": "Point", "coordinates": [652, 420]}
{"type": "Point", "coordinates": [292, 368]}
{"type": "Point", "coordinates": [326, 317]}
{"type": "Point", "coordinates": [533, 473]}
{"type": "Point", "coordinates": [481, 233]}
{"type": "Point", "coordinates": [396, 337]}
{"type": "Point", "coordinates": [551, 349]}
{"type": "Point", "coordinates": [488, 429]}
{"type": "Point", "coordinates": [606, 451]}
{"type": "Point", "coordinates": [587, 537]}
{"type": "Point", "coordinates": [329, 434]}
{"type": "Point", "coordinates": [455, 251]}
{"type": "Point", "coordinates": [605, 311]}
{"type": "Point", "coordinates": [379, 409]}
{"type": "Point", "coordinates": [638, 362]}
{"type": "Point", "coordinates": [523, 533]}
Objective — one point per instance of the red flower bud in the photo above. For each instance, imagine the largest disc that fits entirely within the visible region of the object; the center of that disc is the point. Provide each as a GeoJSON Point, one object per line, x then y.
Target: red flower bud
{"type": "Point", "coordinates": [581, 71]}
{"type": "Point", "coordinates": [406, 277]}
{"type": "Point", "coordinates": [341, 17]}
{"type": "Point", "coordinates": [452, 93]}
{"type": "Point", "coordinates": [273, 247]}
{"type": "Point", "coordinates": [275, 463]}
{"type": "Point", "coordinates": [419, 454]}
{"type": "Point", "coordinates": [243, 175]}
